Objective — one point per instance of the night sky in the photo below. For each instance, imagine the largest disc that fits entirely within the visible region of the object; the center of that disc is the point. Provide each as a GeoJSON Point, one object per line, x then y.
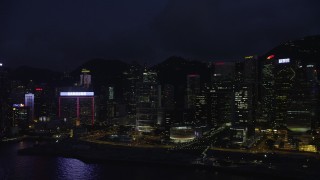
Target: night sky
{"type": "Point", "coordinates": [62, 34]}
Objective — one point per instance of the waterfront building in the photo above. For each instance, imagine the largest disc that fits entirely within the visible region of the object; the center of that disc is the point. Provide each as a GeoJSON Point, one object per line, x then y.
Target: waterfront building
{"type": "Point", "coordinates": [43, 102]}
{"type": "Point", "coordinates": [290, 94]}
{"type": "Point", "coordinates": [20, 116]}
{"type": "Point", "coordinates": [29, 102]}
{"type": "Point", "coordinates": [148, 102]}
{"type": "Point", "coordinates": [77, 107]}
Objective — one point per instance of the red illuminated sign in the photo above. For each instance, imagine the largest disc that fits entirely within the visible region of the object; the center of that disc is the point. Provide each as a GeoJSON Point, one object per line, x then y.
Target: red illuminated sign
{"type": "Point", "coordinates": [39, 89]}
{"type": "Point", "coordinates": [270, 57]}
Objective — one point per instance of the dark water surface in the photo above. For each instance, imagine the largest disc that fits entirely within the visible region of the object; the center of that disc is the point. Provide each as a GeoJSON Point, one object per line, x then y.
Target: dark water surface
{"type": "Point", "coordinates": [13, 166]}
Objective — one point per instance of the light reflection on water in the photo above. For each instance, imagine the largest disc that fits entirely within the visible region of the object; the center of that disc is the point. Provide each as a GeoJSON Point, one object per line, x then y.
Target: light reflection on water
{"type": "Point", "coordinates": [13, 166]}
{"type": "Point", "coordinates": [75, 169]}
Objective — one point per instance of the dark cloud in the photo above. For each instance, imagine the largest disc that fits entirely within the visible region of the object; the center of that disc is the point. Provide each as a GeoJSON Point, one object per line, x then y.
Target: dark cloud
{"type": "Point", "coordinates": [63, 34]}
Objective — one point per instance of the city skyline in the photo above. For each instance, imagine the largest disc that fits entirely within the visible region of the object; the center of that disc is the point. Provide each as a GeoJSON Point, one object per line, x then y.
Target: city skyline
{"type": "Point", "coordinates": [257, 115]}
{"type": "Point", "coordinates": [159, 89]}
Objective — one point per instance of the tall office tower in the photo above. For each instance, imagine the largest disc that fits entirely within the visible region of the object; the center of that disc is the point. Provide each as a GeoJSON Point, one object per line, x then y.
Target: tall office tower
{"type": "Point", "coordinates": [132, 77]}
{"type": "Point", "coordinates": [20, 116]}
{"type": "Point", "coordinates": [167, 123]}
{"type": "Point", "coordinates": [4, 98]}
{"type": "Point", "coordinates": [242, 122]}
{"type": "Point", "coordinates": [30, 86]}
{"type": "Point", "coordinates": [302, 110]}
{"type": "Point", "coordinates": [43, 102]}
{"type": "Point", "coordinates": [221, 94]}
{"type": "Point", "coordinates": [312, 77]}
{"type": "Point", "coordinates": [148, 102]}
{"type": "Point", "coordinates": [291, 91]}
{"type": "Point", "coordinates": [17, 93]}
{"type": "Point", "coordinates": [29, 102]}
{"type": "Point", "coordinates": [193, 89]}
{"type": "Point", "coordinates": [266, 109]}
{"type": "Point", "coordinates": [168, 97]}
{"type": "Point", "coordinates": [109, 106]}
{"type": "Point", "coordinates": [243, 106]}
{"type": "Point", "coordinates": [284, 80]}
{"type": "Point", "coordinates": [168, 103]}
{"type": "Point", "coordinates": [77, 107]}
{"type": "Point", "coordinates": [106, 104]}
{"type": "Point", "coordinates": [85, 78]}
{"type": "Point", "coordinates": [201, 109]}
{"type": "Point", "coordinates": [244, 91]}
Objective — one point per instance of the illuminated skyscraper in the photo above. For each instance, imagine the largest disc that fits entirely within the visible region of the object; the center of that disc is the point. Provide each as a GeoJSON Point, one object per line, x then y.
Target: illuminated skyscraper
{"type": "Point", "coordinates": [20, 116]}
{"type": "Point", "coordinates": [221, 96]}
{"type": "Point", "coordinates": [201, 109]}
{"type": "Point", "coordinates": [43, 102]}
{"type": "Point", "coordinates": [245, 89]}
{"type": "Point", "coordinates": [29, 102]}
{"type": "Point", "coordinates": [290, 96]}
{"type": "Point", "coordinates": [132, 78]}
{"type": "Point", "coordinates": [85, 78]}
{"type": "Point", "coordinates": [266, 111]}
{"type": "Point", "coordinates": [77, 107]}
{"type": "Point", "coordinates": [193, 89]}
{"type": "Point", "coordinates": [148, 102]}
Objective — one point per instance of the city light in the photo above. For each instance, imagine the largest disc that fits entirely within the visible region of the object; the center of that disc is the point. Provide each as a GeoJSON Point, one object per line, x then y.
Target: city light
{"type": "Point", "coordinates": [39, 89]}
{"type": "Point", "coordinates": [76, 93]}
{"type": "Point", "coordinates": [283, 61]}
{"type": "Point", "coordinates": [0, 64]}
{"type": "Point", "coordinates": [18, 105]}
{"type": "Point", "coordinates": [85, 71]}
{"type": "Point", "coordinates": [270, 57]}
{"type": "Point", "coordinates": [249, 57]}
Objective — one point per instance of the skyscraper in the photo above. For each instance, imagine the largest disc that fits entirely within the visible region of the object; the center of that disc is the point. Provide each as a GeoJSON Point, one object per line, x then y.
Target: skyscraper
{"type": "Point", "coordinates": [3, 98]}
{"type": "Point", "coordinates": [245, 89]}
{"type": "Point", "coordinates": [20, 116]}
{"type": "Point", "coordinates": [43, 102]}
{"type": "Point", "coordinates": [85, 78]}
{"type": "Point", "coordinates": [290, 94]}
{"type": "Point", "coordinates": [266, 110]}
{"type": "Point", "coordinates": [132, 78]}
{"type": "Point", "coordinates": [193, 89]}
{"type": "Point", "coordinates": [201, 109]}
{"type": "Point", "coordinates": [221, 94]}
{"type": "Point", "coordinates": [77, 107]}
{"type": "Point", "coordinates": [29, 102]}
{"type": "Point", "coordinates": [148, 102]}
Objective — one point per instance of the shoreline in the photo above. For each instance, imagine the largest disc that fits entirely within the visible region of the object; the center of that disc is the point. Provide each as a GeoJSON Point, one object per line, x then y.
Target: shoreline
{"type": "Point", "coordinates": [158, 157]}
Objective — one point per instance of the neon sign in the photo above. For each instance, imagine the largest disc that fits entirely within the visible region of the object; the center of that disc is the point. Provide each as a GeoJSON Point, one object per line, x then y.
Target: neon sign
{"type": "Point", "coordinates": [18, 105]}
{"type": "Point", "coordinates": [76, 93]}
{"type": "Point", "coordinates": [283, 61]}
{"type": "Point", "coordinates": [270, 57]}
